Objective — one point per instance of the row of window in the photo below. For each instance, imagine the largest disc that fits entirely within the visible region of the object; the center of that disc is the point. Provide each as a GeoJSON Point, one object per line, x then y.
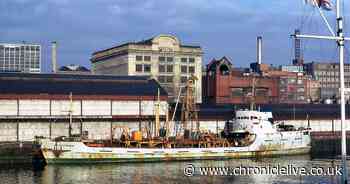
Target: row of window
{"type": "Point", "coordinates": [19, 66]}
{"type": "Point", "coordinates": [245, 117]}
{"type": "Point", "coordinates": [143, 68]}
{"type": "Point", "coordinates": [143, 58]}
{"type": "Point", "coordinates": [18, 55]}
{"type": "Point", "coordinates": [170, 79]}
{"type": "Point", "coordinates": [183, 79]}
{"type": "Point", "coordinates": [165, 79]}
{"type": "Point", "coordinates": [187, 69]}
{"type": "Point", "coordinates": [36, 48]}
{"type": "Point", "coordinates": [11, 60]}
{"type": "Point", "coordinates": [165, 68]}
{"type": "Point", "coordinates": [322, 73]}
{"type": "Point", "coordinates": [240, 92]}
{"type": "Point", "coordinates": [185, 60]}
{"type": "Point", "coordinates": [19, 59]}
{"type": "Point", "coordinates": [164, 59]}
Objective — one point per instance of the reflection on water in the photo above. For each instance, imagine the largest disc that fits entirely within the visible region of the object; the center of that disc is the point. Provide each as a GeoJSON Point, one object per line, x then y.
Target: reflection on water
{"type": "Point", "coordinates": [160, 172]}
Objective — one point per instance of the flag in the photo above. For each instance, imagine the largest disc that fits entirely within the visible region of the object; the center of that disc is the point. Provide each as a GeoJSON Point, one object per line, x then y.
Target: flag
{"type": "Point", "coordinates": [324, 4]}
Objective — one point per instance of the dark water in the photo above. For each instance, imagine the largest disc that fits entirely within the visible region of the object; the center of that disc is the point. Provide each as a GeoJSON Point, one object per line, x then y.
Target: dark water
{"type": "Point", "coordinates": [161, 172]}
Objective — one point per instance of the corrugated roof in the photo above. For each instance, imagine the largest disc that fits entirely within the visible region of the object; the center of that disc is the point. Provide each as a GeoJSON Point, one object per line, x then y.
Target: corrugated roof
{"type": "Point", "coordinates": [25, 83]}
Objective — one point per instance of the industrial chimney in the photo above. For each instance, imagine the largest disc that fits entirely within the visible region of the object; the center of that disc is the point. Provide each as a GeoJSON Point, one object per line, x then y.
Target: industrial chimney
{"type": "Point", "coordinates": [54, 57]}
{"type": "Point", "coordinates": [259, 49]}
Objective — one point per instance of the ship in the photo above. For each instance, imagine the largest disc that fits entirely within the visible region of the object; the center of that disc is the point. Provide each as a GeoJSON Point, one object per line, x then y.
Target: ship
{"type": "Point", "coordinates": [251, 134]}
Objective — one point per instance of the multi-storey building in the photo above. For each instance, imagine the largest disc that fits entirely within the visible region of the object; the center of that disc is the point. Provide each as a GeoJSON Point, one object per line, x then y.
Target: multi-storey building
{"type": "Point", "coordinates": [20, 57]}
{"type": "Point", "coordinates": [162, 57]}
{"type": "Point", "coordinates": [328, 76]}
{"type": "Point", "coordinates": [225, 84]}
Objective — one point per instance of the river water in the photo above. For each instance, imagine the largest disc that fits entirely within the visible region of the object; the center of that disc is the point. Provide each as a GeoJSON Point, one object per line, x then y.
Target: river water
{"type": "Point", "coordinates": [165, 172]}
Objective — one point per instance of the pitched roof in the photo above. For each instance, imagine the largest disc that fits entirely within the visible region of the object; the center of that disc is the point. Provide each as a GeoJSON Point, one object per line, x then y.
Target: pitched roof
{"type": "Point", "coordinates": [25, 83]}
{"type": "Point", "coordinates": [214, 63]}
{"type": "Point", "coordinates": [73, 67]}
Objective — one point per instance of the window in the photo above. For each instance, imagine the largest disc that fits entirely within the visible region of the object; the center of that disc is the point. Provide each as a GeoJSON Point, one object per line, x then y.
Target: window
{"type": "Point", "coordinates": [161, 79]}
{"type": "Point", "coordinates": [191, 69]}
{"type": "Point", "coordinates": [183, 79]}
{"type": "Point", "coordinates": [138, 58]}
{"type": "Point", "coordinates": [169, 79]}
{"type": "Point", "coordinates": [161, 68]}
{"type": "Point", "coordinates": [191, 60]}
{"type": "Point", "coordinates": [169, 68]}
{"type": "Point", "coordinates": [236, 92]}
{"type": "Point", "coordinates": [183, 60]}
{"type": "Point", "coordinates": [139, 68]}
{"type": "Point", "coordinates": [169, 59]}
{"type": "Point", "coordinates": [161, 58]}
{"type": "Point", "coordinates": [147, 68]}
{"type": "Point", "coordinates": [183, 69]}
{"type": "Point", "coordinates": [147, 58]}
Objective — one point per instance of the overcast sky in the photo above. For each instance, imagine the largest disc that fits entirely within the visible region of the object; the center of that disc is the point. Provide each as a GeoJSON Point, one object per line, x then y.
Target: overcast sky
{"type": "Point", "coordinates": [222, 28]}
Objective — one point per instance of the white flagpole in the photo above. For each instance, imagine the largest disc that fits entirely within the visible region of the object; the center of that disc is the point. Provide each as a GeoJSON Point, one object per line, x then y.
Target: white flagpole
{"type": "Point", "coordinates": [342, 93]}
{"type": "Point", "coordinates": [340, 40]}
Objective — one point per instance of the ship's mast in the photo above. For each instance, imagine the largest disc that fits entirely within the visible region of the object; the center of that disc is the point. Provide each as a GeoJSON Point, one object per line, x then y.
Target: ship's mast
{"type": "Point", "coordinates": [157, 115]}
{"type": "Point", "coordinates": [70, 114]}
{"type": "Point", "coordinates": [189, 111]}
{"type": "Point", "coordinates": [340, 39]}
{"type": "Point", "coordinates": [252, 102]}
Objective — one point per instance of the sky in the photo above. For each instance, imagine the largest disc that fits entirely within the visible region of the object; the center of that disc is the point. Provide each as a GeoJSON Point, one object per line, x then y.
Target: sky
{"type": "Point", "coordinates": [222, 28]}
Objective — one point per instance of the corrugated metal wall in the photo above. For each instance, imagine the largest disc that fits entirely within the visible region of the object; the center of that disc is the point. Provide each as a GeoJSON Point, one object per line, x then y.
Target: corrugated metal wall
{"type": "Point", "coordinates": [84, 107]}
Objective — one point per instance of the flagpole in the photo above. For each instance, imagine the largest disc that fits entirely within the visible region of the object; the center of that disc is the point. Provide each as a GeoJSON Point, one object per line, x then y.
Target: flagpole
{"type": "Point", "coordinates": [340, 40]}
{"type": "Point", "coordinates": [342, 93]}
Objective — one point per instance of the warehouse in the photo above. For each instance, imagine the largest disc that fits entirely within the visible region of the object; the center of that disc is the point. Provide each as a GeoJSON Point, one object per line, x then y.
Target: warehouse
{"type": "Point", "coordinates": [40, 104]}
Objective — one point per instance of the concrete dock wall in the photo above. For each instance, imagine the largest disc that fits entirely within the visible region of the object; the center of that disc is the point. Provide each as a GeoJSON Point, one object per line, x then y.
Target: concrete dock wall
{"type": "Point", "coordinates": [26, 130]}
{"type": "Point", "coordinates": [319, 125]}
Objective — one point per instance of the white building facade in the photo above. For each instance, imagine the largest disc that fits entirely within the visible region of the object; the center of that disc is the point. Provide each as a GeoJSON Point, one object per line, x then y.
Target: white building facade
{"type": "Point", "coordinates": [20, 57]}
{"type": "Point", "coordinates": [163, 58]}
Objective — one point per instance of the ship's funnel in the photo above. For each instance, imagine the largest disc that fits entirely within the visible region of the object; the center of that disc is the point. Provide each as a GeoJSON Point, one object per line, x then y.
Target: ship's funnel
{"type": "Point", "coordinates": [54, 57]}
{"type": "Point", "coordinates": [259, 49]}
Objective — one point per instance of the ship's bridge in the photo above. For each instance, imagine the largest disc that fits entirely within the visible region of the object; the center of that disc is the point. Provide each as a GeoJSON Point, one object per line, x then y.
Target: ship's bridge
{"type": "Point", "coordinates": [253, 115]}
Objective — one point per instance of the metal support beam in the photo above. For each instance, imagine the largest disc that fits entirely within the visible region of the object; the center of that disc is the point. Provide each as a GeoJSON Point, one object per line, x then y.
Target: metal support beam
{"type": "Point", "coordinates": [321, 37]}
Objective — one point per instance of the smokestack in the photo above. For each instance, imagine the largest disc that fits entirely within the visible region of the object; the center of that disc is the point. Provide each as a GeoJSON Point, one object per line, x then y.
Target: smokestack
{"type": "Point", "coordinates": [54, 57]}
{"type": "Point", "coordinates": [259, 49]}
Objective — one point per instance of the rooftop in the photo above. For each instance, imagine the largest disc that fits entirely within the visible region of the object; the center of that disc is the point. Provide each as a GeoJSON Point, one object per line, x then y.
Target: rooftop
{"type": "Point", "coordinates": [143, 42]}
{"type": "Point", "coordinates": [63, 84]}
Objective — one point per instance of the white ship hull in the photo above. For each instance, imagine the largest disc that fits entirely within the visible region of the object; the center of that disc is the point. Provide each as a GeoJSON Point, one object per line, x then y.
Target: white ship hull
{"type": "Point", "coordinates": [281, 143]}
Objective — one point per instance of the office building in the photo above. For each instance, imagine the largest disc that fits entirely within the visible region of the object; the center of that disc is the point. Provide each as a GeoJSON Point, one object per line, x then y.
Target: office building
{"type": "Point", "coordinates": [162, 57]}
{"type": "Point", "coordinates": [20, 57]}
{"type": "Point", "coordinates": [328, 76]}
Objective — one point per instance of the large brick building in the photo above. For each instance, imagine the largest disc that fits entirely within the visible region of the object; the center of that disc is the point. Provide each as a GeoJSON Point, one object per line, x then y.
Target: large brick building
{"type": "Point", "coordinates": [224, 84]}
